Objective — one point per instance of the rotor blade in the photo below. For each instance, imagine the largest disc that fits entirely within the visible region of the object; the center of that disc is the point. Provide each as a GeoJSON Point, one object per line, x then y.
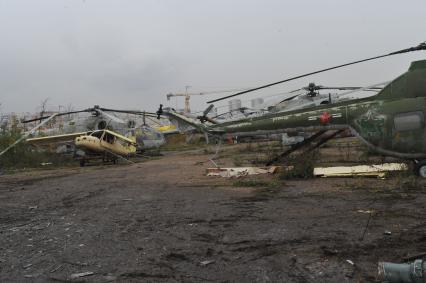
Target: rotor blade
{"type": "Point", "coordinates": [222, 91]}
{"type": "Point", "coordinates": [208, 109]}
{"type": "Point", "coordinates": [35, 119]}
{"type": "Point", "coordinates": [120, 111]}
{"type": "Point", "coordinates": [296, 90]}
{"type": "Point", "coordinates": [147, 114]}
{"type": "Point", "coordinates": [372, 87]}
{"type": "Point", "coordinates": [338, 88]}
{"type": "Point", "coordinates": [56, 114]}
{"type": "Point", "coordinates": [291, 97]}
{"type": "Point", "coordinates": [343, 87]}
{"type": "Point", "coordinates": [134, 112]}
{"type": "Point", "coordinates": [294, 96]}
{"type": "Point", "coordinates": [421, 46]}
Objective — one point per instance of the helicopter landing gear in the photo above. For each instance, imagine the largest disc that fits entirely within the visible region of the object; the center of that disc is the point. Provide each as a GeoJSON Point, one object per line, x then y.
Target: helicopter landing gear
{"type": "Point", "coordinates": [420, 168]}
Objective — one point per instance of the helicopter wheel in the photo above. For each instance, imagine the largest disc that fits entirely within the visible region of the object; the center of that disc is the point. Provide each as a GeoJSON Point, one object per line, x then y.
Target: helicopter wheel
{"type": "Point", "coordinates": [420, 168]}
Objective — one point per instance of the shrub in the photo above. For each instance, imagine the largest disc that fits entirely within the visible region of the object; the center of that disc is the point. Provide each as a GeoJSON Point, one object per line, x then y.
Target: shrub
{"type": "Point", "coordinates": [24, 155]}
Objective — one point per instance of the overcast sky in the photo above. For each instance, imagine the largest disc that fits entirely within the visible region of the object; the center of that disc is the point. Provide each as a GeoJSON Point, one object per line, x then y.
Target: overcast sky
{"type": "Point", "coordinates": [131, 53]}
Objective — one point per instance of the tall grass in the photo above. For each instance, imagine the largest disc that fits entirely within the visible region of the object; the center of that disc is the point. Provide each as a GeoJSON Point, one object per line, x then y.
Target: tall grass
{"type": "Point", "coordinates": [24, 155]}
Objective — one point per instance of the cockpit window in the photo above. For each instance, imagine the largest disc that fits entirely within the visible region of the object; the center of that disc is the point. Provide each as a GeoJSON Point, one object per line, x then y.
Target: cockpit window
{"type": "Point", "coordinates": [409, 121]}
{"type": "Point", "coordinates": [97, 134]}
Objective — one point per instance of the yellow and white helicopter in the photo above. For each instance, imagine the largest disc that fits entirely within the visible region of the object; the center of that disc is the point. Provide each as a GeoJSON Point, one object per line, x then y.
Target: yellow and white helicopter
{"type": "Point", "coordinates": [101, 135]}
{"type": "Point", "coordinates": [104, 144]}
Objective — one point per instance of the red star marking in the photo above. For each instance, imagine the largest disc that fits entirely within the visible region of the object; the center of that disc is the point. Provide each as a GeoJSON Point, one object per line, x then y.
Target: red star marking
{"type": "Point", "coordinates": [325, 118]}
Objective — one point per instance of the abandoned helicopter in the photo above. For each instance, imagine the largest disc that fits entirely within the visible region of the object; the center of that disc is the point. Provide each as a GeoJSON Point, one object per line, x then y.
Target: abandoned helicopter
{"type": "Point", "coordinates": [99, 144]}
{"type": "Point", "coordinates": [101, 135]}
{"type": "Point", "coordinates": [145, 135]}
{"type": "Point", "coordinates": [392, 122]}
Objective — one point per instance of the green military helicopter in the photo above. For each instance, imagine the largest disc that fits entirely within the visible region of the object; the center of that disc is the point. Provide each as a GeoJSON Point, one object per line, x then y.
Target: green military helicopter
{"type": "Point", "coordinates": [392, 122]}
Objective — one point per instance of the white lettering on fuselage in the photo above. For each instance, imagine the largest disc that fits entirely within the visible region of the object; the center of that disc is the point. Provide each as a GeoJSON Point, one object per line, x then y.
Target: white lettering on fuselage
{"type": "Point", "coordinates": [239, 125]}
{"type": "Point", "coordinates": [279, 118]}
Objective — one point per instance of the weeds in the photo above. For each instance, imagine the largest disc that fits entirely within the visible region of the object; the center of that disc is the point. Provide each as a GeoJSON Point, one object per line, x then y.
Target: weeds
{"type": "Point", "coordinates": [265, 189]}
{"type": "Point", "coordinates": [303, 166]}
{"type": "Point", "coordinates": [25, 156]}
{"type": "Point", "coordinates": [406, 180]}
{"type": "Point", "coordinates": [351, 185]}
{"type": "Point", "coordinates": [238, 161]}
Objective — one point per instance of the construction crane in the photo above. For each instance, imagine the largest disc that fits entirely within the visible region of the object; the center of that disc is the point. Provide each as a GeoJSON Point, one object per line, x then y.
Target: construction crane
{"type": "Point", "coordinates": [187, 95]}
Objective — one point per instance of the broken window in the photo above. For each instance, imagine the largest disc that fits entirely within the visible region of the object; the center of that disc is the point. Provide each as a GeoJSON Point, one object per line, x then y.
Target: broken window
{"type": "Point", "coordinates": [409, 121]}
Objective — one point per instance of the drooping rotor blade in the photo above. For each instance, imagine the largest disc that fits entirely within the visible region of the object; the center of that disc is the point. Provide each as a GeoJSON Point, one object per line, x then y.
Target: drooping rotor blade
{"type": "Point", "coordinates": [207, 111]}
{"type": "Point", "coordinates": [97, 109]}
{"type": "Point", "coordinates": [136, 112]}
{"type": "Point", "coordinates": [299, 89]}
{"type": "Point", "coordinates": [222, 91]}
{"type": "Point", "coordinates": [372, 87]}
{"type": "Point", "coordinates": [343, 87]}
{"type": "Point", "coordinates": [133, 112]}
{"type": "Point", "coordinates": [119, 111]}
{"type": "Point", "coordinates": [35, 119]}
{"type": "Point", "coordinates": [291, 97]}
{"type": "Point", "coordinates": [56, 115]}
{"type": "Point", "coordinates": [421, 46]}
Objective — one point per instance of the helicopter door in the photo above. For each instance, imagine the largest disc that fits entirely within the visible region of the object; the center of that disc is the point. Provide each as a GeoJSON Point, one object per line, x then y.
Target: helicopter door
{"type": "Point", "coordinates": [407, 130]}
{"type": "Point", "coordinates": [410, 121]}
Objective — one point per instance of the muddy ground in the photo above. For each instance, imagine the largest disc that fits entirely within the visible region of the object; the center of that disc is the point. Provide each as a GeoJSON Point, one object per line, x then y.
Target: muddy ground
{"type": "Point", "coordinates": [165, 221]}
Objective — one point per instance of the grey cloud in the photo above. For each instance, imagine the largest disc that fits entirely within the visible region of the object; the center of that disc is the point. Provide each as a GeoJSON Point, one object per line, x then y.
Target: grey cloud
{"type": "Point", "coordinates": [122, 53]}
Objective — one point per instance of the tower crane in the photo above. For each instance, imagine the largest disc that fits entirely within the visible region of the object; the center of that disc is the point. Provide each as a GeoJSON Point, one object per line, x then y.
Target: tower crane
{"type": "Point", "coordinates": [187, 95]}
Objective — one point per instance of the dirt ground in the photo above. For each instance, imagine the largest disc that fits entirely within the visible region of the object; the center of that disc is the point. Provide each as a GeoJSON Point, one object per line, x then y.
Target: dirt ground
{"type": "Point", "coordinates": [165, 221]}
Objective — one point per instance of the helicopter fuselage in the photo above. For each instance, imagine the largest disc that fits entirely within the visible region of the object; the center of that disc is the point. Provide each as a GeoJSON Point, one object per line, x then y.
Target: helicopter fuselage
{"type": "Point", "coordinates": [391, 122]}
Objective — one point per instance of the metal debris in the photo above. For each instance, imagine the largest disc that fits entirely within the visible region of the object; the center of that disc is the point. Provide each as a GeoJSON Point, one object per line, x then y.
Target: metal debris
{"type": "Point", "coordinates": [377, 170]}
{"type": "Point", "coordinates": [206, 262]}
{"type": "Point", "coordinates": [366, 211]}
{"type": "Point", "coordinates": [350, 262]}
{"type": "Point", "coordinates": [241, 171]}
{"type": "Point", "coordinates": [78, 275]}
